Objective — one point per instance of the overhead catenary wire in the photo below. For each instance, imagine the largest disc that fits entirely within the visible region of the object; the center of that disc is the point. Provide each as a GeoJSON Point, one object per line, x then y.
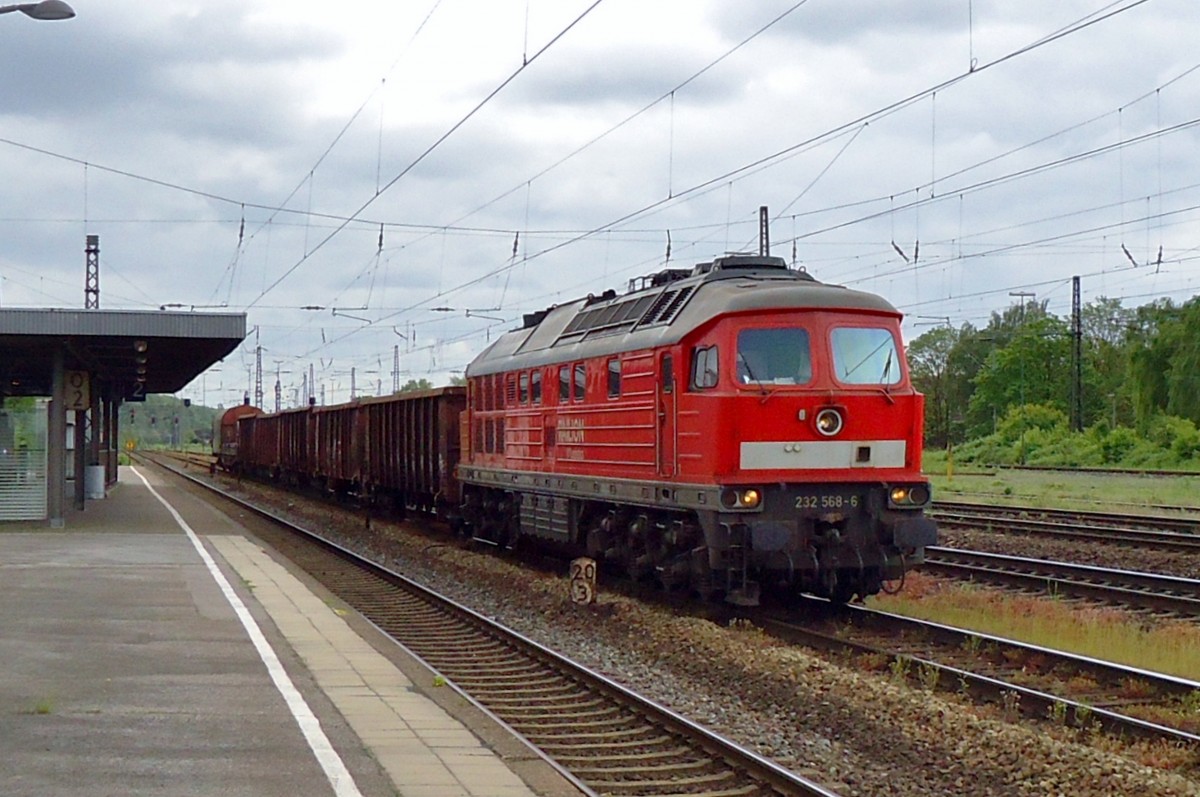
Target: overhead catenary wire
{"type": "Point", "coordinates": [428, 150]}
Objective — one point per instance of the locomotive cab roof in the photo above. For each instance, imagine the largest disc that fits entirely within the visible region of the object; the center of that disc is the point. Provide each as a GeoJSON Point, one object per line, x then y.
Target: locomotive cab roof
{"type": "Point", "coordinates": [661, 308]}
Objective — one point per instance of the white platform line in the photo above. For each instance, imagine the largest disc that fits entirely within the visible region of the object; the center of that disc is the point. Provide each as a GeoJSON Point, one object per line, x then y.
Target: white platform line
{"type": "Point", "coordinates": [335, 769]}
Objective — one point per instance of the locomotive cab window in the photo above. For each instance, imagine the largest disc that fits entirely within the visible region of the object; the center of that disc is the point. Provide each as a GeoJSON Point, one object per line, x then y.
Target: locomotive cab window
{"type": "Point", "coordinates": [775, 356]}
{"type": "Point", "coordinates": [580, 383]}
{"type": "Point", "coordinates": [523, 390]}
{"type": "Point", "coordinates": [535, 387]}
{"type": "Point", "coordinates": [704, 368]}
{"type": "Point", "coordinates": [614, 378]}
{"type": "Point", "coordinates": [564, 383]}
{"type": "Point", "coordinates": [865, 356]}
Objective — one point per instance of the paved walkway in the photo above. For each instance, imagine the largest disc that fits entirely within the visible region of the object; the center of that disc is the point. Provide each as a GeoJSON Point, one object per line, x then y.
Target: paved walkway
{"type": "Point", "coordinates": [150, 647]}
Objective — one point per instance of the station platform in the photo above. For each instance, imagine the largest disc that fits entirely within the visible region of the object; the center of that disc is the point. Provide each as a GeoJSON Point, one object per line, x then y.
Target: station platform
{"type": "Point", "coordinates": [151, 646]}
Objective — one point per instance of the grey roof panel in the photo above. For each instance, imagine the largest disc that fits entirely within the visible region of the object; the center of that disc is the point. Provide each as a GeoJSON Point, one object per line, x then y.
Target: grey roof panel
{"type": "Point", "coordinates": [713, 295]}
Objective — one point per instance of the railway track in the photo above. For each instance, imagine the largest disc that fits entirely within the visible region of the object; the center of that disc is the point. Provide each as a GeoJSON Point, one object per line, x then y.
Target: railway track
{"type": "Point", "coordinates": [187, 458]}
{"type": "Point", "coordinates": [1034, 681]}
{"type": "Point", "coordinates": [1148, 591]}
{"type": "Point", "coordinates": [1149, 531]}
{"type": "Point", "coordinates": [609, 739]}
{"type": "Point", "coordinates": [1023, 679]}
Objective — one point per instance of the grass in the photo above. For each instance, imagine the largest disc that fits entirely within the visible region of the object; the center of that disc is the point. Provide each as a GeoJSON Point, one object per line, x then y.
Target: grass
{"type": "Point", "coordinates": [1171, 647]}
{"type": "Point", "coordinates": [1101, 492]}
{"type": "Point", "coordinates": [42, 707]}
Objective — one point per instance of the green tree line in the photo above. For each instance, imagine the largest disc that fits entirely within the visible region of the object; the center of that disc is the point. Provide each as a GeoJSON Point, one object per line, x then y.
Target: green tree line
{"type": "Point", "coordinates": [1005, 392]}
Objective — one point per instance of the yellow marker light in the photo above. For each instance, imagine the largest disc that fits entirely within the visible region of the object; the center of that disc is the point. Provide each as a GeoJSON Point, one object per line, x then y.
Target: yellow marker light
{"type": "Point", "coordinates": [899, 495]}
{"type": "Point", "coordinates": [750, 498]}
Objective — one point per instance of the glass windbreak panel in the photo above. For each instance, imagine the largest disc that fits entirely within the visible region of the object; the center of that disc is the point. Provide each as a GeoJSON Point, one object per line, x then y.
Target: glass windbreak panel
{"type": "Point", "coordinates": [776, 356]}
{"type": "Point", "coordinates": [865, 356]}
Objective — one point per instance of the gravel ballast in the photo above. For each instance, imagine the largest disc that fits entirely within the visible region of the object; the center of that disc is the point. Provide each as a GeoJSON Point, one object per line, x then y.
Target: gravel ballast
{"type": "Point", "coordinates": [858, 732]}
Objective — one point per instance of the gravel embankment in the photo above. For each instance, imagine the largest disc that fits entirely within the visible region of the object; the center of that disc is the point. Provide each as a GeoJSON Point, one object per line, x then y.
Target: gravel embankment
{"type": "Point", "coordinates": [857, 732]}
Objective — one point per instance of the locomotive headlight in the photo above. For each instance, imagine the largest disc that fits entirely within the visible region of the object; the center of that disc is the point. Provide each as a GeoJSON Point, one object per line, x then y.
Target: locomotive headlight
{"type": "Point", "coordinates": [748, 498]}
{"type": "Point", "coordinates": [829, 422]}
{"type": "Point", "coordinates": [909, 495]}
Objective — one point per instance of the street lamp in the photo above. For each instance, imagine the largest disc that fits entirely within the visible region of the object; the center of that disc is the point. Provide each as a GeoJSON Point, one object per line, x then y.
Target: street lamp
{"type": "Point", "coordinates": [47, 9]}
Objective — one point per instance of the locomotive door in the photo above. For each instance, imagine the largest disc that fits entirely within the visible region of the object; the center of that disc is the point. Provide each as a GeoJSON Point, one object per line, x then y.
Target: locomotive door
{"type": "Point", "coordinates": [666, 416]}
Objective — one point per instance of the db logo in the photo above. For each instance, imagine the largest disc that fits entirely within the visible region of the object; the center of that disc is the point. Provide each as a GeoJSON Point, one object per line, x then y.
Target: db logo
{"type": "Point", "coordinates": [792, 448]}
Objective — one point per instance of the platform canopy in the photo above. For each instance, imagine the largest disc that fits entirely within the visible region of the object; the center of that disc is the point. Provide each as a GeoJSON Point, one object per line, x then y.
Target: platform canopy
{"type": "Point", "coordinates": [167, 349]}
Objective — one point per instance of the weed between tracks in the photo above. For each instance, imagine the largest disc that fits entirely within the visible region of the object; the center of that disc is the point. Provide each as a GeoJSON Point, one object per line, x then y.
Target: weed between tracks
{"type": "Point", "coordinates": [1171, 647]}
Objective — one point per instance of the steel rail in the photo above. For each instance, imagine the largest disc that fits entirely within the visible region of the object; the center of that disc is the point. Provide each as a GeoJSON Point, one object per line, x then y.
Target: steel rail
{"type": "Point", "coordinates": [1032, 702]}
{"type": "Point", "coordinates": [752, 775]}
{"type": "Point", "coordinates": [1177, 533]}
{"type": "Point", "coordinates": [1152, 591]}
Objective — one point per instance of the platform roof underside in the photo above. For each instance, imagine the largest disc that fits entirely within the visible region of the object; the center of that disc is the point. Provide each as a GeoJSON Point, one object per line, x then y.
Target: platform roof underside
{"type": "Point", "coordinates": [177, 348]}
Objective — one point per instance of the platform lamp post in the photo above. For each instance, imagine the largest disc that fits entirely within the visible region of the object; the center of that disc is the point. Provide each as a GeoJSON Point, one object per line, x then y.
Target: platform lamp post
{"type": "Point", "coordinates": [1025, 297]}
{"type": "Point", "coordinates": [47, 9]}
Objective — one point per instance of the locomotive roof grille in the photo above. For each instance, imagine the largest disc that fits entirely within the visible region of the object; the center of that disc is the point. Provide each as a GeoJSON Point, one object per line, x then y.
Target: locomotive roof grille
{"type": "Point", "coordinates": [669, 304]}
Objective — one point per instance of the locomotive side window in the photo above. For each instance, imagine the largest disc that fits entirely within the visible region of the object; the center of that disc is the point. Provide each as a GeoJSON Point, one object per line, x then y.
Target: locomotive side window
{"type": "Point", "coordinates": [580, 384]}
{"type": "Point", "coordinates": [668, 374]}
{"type": "Point", "coordinates": [564, 383]}
{"type": "Point", "coordinates": [523, 390]}
{"type": "Point", "coordinates": [865, 356]}
{"type": "Point", "coordinates": [704, 368]}
{"type": "Point", "coordinates": [614, 378]}
{"type": "Point", "coordinates": [777, 356]}
{"type": "Point", "coordinates": [535, 380]}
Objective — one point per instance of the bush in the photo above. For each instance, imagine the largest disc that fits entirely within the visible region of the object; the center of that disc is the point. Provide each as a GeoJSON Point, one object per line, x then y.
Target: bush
{"type": "Point", "coordinates": [1117, 444]}
{"type": "Point", "coordinates": [1031, 417]}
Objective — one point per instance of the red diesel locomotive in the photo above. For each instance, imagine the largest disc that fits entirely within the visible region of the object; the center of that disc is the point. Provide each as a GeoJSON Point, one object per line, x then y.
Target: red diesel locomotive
{"type": "Point", "coordinates": [730, 428]}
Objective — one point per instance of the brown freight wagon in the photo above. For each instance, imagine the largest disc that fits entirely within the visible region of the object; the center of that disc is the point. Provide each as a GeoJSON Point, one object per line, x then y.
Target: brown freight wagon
{"type": "Point", "coordinates": [337, 448]}
{"type": "Point", "coordinates": [258, 445]}
{"type": "Point", "coordinates": [411, 448]}
{"type": "Point", "coordinates": [400, 450]}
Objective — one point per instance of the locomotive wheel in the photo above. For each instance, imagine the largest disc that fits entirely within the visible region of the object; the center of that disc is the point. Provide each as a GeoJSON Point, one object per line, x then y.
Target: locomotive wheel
{"type": "Point", "coordinates": [843, 591]}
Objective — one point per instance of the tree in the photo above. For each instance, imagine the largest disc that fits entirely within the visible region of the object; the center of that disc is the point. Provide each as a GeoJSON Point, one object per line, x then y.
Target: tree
{"type": "Point", "coordinates": [416, 384]}
{"type": "Point", "coordinates": [1153, 338]}
{"type": "Point", "coordinates": [1106, 358]}
{"type": "Point", "coordinates": [1183, 377]}
{"type": "Point", "coordinates": [1033, 369]}
{"type": "Point", "coordinates": [929, 363]}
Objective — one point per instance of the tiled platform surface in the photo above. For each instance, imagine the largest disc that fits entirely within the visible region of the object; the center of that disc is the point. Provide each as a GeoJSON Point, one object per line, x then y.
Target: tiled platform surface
{"type": "Point", "coordinates": [126, 669]}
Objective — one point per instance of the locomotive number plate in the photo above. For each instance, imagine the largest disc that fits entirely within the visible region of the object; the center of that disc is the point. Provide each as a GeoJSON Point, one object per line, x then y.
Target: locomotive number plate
{"type": "Point", "coordinates": [828, 501]}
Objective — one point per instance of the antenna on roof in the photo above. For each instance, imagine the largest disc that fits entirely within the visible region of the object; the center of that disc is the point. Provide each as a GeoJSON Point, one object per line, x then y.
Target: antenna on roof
{"type": "Point", "coordinates": [764, 232]}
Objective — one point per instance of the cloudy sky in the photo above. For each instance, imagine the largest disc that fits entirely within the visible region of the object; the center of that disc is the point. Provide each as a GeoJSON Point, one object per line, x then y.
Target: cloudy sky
{"type": "Point", "coordinates": [513, 154]}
